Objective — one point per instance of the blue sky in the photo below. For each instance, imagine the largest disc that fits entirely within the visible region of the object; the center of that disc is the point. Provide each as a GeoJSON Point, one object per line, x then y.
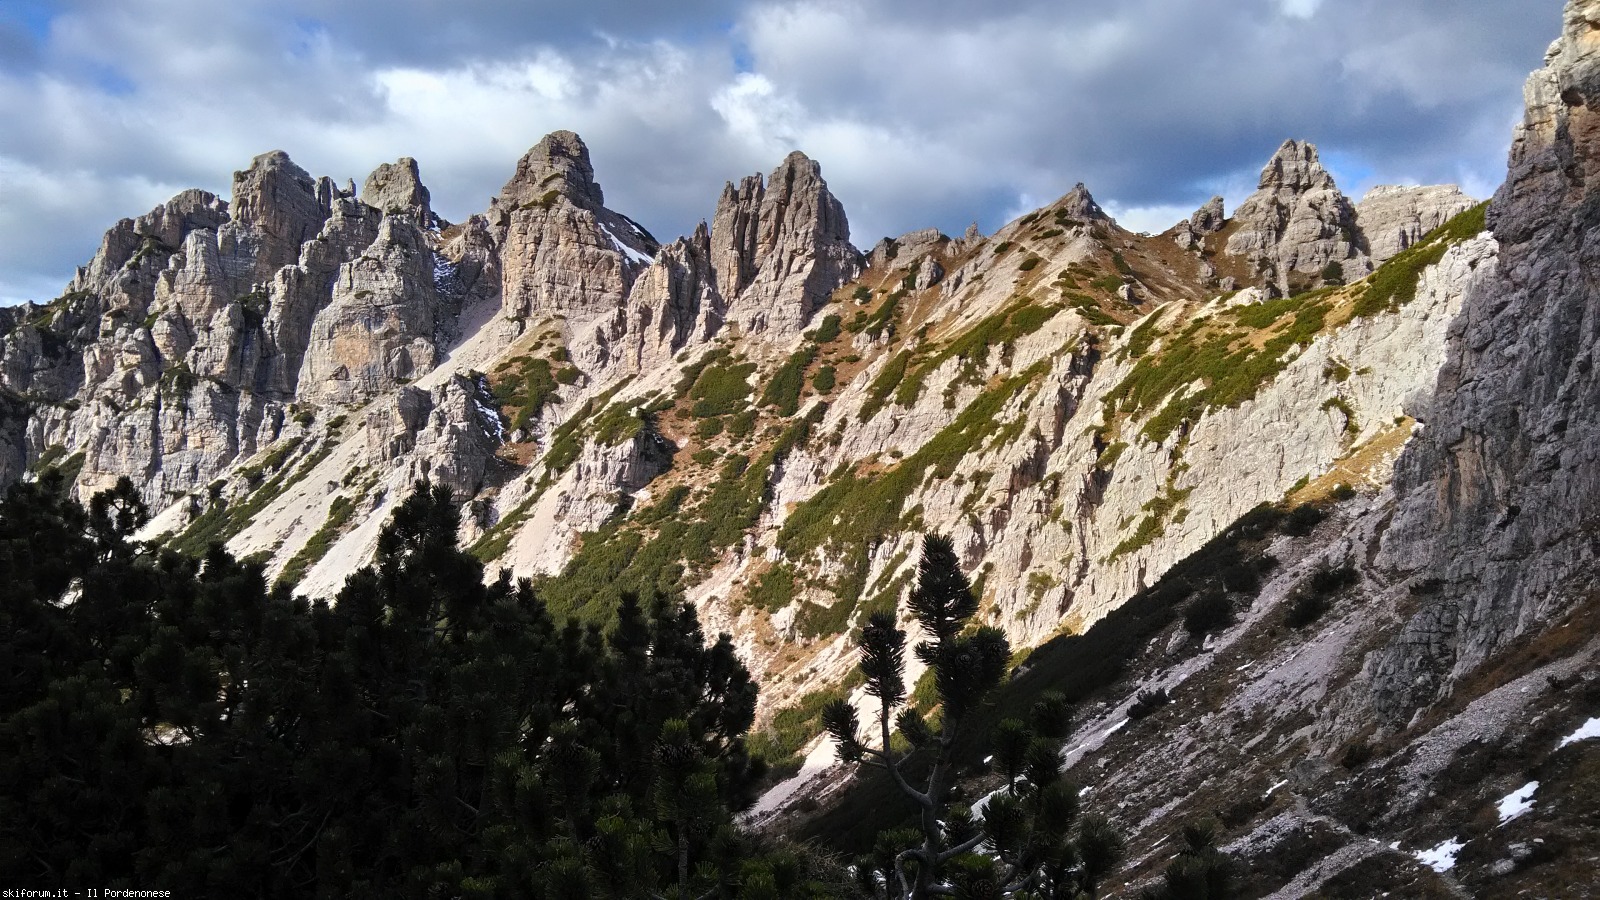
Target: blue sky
{"type": "Point", "coordinates": [928, 113]}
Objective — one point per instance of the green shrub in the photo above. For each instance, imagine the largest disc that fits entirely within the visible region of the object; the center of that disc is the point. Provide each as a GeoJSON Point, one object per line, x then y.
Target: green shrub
{"type": "Point", "coordinates": [742, 425]}
{"type": "Point", "coordinates": [775, 589]}
{"type": "Point", "coordinates": [1351, 426]}
{"type": "Point", "coordinates": [1147, 702]}
{"type": "Point", "coordinates": [1209, 611]}
{"type": "Point", "coordinates": [1029, 264]}
{"type": "Point", "coordinates": [177, 382]}
{"type": "Point", "coordinates": [876, 323]}
{"type": "Point", "coordinates": [825, 380]}
{"type": "Point", "coordinates": [1142, 337]}
{"type": "Point", "coordinates": [829, 329]}
{"type": "Point", "coordinates": [783, 390]}
{"type": "Point", "coordinates": [1305, 607]}
{"type": "Point", "coordinates": [1302, 519]}
{"type": "Point", "coordinates": [526, 392]}
{"type": "Point", "coordinates": [722, 389]}
{"type": "Point", "coordinates": [884, 384]}
{"type": "Point", "coordinates": [1356, 754]}
{"type": "Point", "coordinates": [317, 546]}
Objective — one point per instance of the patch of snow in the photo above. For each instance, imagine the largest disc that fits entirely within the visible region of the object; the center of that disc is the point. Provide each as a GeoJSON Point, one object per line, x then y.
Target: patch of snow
{"type": "Point", "coordinates": [444, 274]}
{"type": "Point", "coordinates": [487, 414]}
{"type": "Point", "coordinates": [1116, 728]}
{"type": "Point", "coordinates": [1275, 787]}
{"type": "Point", "coordinates": [1443, 857]}
{"type": "Point", "coordinates": [626, 250]}
{"type": "Point", "coordinates": [1589, 729]}
{"type": "Point", "coordinates": [1517, 802]}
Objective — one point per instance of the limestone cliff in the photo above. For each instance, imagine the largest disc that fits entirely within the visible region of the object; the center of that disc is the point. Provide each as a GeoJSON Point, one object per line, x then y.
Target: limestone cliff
{"type": "Point", "coordinates": [1498, 499]}
{"type": "Point", "coordinates": [1393, 218]}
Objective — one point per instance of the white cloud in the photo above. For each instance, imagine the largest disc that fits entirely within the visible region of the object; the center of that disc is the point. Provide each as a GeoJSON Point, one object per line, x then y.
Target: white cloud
{"type": "Point", "coordinates": [1299, 9]}
{"type": "Point", "coordinates": [1153, 219]}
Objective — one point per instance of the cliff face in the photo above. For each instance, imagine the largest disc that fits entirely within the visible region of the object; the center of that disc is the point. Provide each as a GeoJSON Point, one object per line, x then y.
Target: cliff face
{"type": "Point", "coordinates": [1393, 218]}
{"type": "Point", "coordinates": [1497, 500]}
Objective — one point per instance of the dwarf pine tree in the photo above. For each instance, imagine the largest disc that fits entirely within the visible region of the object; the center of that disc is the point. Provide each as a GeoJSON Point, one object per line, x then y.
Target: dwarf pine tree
{"type": "Point", "coordinates": [1026, 830]}
{"type": "Point", "coordinates": [172, 722]}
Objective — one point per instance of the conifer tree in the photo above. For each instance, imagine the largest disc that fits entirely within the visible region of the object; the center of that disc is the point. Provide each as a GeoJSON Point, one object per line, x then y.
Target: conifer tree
{"type": "Point", "coordinates": [1027, 826]}
{"type": "Point", "coordinates": [171, 721]}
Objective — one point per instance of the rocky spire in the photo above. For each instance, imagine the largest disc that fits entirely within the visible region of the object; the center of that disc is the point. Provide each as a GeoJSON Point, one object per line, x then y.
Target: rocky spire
{"type": "Point", "coordinates": [1296, 168]}
{"type": "Point", "coordinates": [780, 246]}
{"type": "Point", "coordinates": [1079, 204]}
{"type": "Point", "coordinates": [558, 164]}
{"type": "Point", "coordinates": [396, 188]}
{"type": "Point", "coordinates": [1191, 232]}
{"type": "Point", "coordinates": [561, 250]}
{"type": "Point", "coordinates": [1208, 219]}
{"type": "Point", "coordinates": [1297, 223]}
{"type": "Point", "coordinates": [275, 209]}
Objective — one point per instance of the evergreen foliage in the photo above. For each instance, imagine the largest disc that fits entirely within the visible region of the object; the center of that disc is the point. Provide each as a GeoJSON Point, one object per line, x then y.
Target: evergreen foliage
{"type": "Point", "coordinates": [1200, 871]}
{"type": "Point", "coordinates": [1029, 826]}
{"type": "Point", "coordinates": [172, 721]}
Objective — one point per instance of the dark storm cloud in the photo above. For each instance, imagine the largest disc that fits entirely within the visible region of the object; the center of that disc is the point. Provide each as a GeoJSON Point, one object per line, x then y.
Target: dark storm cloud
{"type": "Point", "coordinates": [932, 112]}
{"type": "Point", "coordinates": [443, 32]}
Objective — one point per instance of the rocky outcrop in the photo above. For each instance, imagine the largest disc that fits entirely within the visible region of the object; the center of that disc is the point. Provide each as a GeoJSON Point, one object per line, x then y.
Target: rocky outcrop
{"type": "Point", "coordinates": [561, 251]}
{"type": "Point", "coordinates": [1208, 219]}
{"type": "Point", "coordinates": [1499, 501]}
{"type": "Point", "coordinates": [276, 208]}
{"type": "Point", "coordinates": [1297, 224]}
{"type": "Point", "coordinates": [673, 304]}
{"type": "Point", "coordinates": [381, 328]}
{"type": "Point", "coordinates": [780, 247]}
{"type": "Point", "coordinates": [1392, 218]}
{"type": "Point", "coordinates": [1078, 204]}
{"type": "Point", "coordinates": [396, 189]}
{"type": "Point", "coordinates": [448, 435]}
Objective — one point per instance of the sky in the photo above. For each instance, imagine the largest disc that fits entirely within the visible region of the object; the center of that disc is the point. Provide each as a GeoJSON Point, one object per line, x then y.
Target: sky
{"type": "Point", "coordinates": [928, 113]}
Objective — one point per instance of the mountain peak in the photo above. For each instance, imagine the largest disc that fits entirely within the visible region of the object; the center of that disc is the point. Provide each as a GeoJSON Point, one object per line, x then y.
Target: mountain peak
{"type": "Point", "coordinates": [1296, 167]}
{"type": "Point", "coordinates": [1080, 204]}
{"type": "Point", "coordinates": [397, 186]}
{"type": "Point", "coordinates": [559, 162]}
